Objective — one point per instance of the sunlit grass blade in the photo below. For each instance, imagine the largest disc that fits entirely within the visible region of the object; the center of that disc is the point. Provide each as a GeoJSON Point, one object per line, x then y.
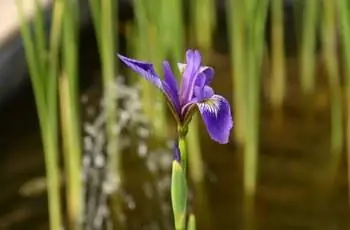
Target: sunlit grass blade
{"type": "Point", "coordinates": [95, 7]}
{"type": "Point", "coordinates": [308, 45]}
{"type": "Point", "coordinates": [69, 92]}
{"type": "Point", "coordinates": [40, 37]}
{"type": "Point", "coordinates": [45, 93]}
{"type": "Point", "coordinates": [344, 16]}
{"type": "Point", "coordinates": [171, 34]}
{"type": "Point", "coordinates": [329, 46]}
{"type": "Point", "coordinates": [278, 62]}
{"type": "Point", "coordinates": [108, 42]}
{"type": "Point", "coordinates": [255, 50]}
{"type": "Point", "coordinates": [203, 22]}
{"type": "Point", "coordinates": [150, 47]}
{"type": "Point", "coordinates": [237, 35]}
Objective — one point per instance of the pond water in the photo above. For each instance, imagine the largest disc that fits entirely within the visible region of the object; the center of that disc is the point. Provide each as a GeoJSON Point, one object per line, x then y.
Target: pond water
{"type": "Point", "coordinates": [298, 185]}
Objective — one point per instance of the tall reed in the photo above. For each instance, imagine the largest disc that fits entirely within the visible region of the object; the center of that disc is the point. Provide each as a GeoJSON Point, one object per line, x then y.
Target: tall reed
{"type": "Point", "coordinates": [278, 63]}
{"type": "Point", "coordinates": [329, 48]}
{"type": "Point", "coordinates": [246, 27]}
{"type": "Point", "coordinates": [149, 47]}
{"type": "Point", "coordinates": [236, 19]}
{"type": "Point", "coordinates": [257, 12]}
{"type": "Point", "coordinates": [308, 45]}
{"type": "Point", "coordinates": [203, 22]}
{"type": "Point", "coordinates": [171, 30]}
{"type": "Point", "coordinates": [71, 125]}
{"type": "Point", "coordinates": [343, 8]}
{"type": "Point", "coordinates": [246, 30]}
{"type": "Point", "coordinates": [104, 14]}
{"type": "Point", "coordinates": [43, 75]}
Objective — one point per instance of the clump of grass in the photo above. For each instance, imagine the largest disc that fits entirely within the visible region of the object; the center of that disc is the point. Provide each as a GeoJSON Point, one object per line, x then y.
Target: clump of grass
{"type": "Point", "coordinates": [43, 69]}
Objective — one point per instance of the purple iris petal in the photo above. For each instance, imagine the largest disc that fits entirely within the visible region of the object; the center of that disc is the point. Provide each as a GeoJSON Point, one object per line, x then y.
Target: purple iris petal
{"type": "Point", "coordinates": [193, 59]}
{"type": "Point", "coordinates": [168, 86]}
{"type": "Point", "coordinates": [206, 72]}
{"type": "Point", "coordinates": [216, 114]}
{"type": "Point", "coordinates": [203, 93]}
{"type": "Point", "coordinates": [145, 69]}
{"type": "Point", "coordinates": [176, 152]}
{"type": "Point", "coordinates": [194, 91]}
{"type": "Point", "coordinates": [172, 89]}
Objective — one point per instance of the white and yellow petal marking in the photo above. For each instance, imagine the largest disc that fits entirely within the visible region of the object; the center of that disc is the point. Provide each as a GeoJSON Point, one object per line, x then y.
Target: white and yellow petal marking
{"type": "Point", "coordinates": [211, 105]}
{"type": "Point", "coordinates": [181, 67]}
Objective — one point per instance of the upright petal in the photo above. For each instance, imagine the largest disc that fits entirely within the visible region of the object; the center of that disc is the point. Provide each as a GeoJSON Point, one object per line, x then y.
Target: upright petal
{"type": "Point", "coordinates": [171, 87]}
{"type": "Point", "coordinates": [207, 73]}
{"type": "Point", "coordinates": [193, 59]}
{"type": "Point", "coordinates": [145, 69]}
{"type": "Point", "coordinates": [216, 114]}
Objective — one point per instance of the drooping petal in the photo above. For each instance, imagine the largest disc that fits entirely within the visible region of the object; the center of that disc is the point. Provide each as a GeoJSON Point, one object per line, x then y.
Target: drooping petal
{"type": "Point", "coordinates": [145, 69]}
{"type": "Point", "coordinates": [170, 86]}
{"type": "Point", "coordinates": [216, 114]}
{"type": "Point", "coordinates": [193, 59]}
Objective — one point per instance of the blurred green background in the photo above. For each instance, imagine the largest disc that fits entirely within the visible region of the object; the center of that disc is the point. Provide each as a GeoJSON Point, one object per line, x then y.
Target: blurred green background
{"type": "Point", "coordinates": [86, 144]}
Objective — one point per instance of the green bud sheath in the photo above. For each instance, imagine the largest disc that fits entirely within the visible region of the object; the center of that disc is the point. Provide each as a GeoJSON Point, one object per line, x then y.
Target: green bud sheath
{"type": "Point", "coordinates": [191, 222]}
{"type": "Point", "coordinates": [179, 195]}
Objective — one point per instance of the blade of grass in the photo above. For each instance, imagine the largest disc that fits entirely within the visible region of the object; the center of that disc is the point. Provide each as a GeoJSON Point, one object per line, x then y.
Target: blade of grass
{"type": "Point", "coordinates": [95, 7]}
{"type": "Point", "coordinates": [170, 23]}
{"type": "Point", "coordinates": [40, 45]}
{"type": "Point", "coordinates": [203, 22]}
{"type": "Point", "coordinates": [343, 9]}
{"type": "Point", "coordinates": [331, 63]}
{"type": "Point", "coordinates": [70, 117]}
{"type": "Point", "coordinates": [237, 35]}
{"type": "Point", "coordinates": [254, 62]}
{"type": "Point", "coordinates": [308, 45]}
{"type": "Point", "coordinates": [52, 132]}
{"type": "Point", "coordinates": [278, 62]}
{"type": "Point", "coordinates": [150, 47]}
{"type": "Point", "coordinates": [108, 48]}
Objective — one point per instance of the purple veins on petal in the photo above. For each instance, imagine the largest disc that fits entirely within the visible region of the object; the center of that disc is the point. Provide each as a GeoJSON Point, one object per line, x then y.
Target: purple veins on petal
{"type": "Point", "coordinates": [216, 114]}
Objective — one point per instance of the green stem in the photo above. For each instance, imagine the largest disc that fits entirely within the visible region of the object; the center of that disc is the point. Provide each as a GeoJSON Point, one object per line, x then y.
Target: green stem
{"type": "Point", "coordinates": [195, 158]}
{"type": "Point", "coordinates": [183, 152]}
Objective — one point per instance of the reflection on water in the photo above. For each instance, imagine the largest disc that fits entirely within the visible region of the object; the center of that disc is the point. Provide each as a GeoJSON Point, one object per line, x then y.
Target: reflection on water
{"type": "Point", "coordinates": [298, 187]}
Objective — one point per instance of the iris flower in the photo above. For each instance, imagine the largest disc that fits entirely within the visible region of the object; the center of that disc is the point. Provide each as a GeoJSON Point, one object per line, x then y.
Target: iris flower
{"type": "Point", "coordinates": [193, 92]}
